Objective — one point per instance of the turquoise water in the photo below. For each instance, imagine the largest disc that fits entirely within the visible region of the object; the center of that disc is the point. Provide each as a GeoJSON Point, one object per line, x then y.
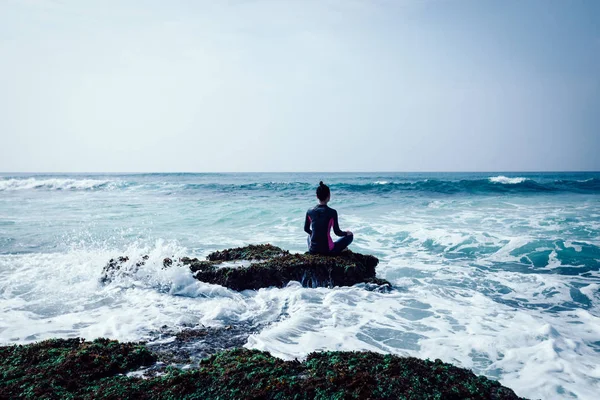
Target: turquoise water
{"type": "Point", "coordinates": [497, 272]}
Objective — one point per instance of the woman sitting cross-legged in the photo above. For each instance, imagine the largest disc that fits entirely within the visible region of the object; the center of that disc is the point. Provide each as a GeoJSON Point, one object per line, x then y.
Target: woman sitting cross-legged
{"type": "Point", "coordinates": [318, 224]}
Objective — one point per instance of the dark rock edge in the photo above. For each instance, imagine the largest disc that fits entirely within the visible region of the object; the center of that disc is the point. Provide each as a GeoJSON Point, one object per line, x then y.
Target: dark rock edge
{"type": "Point", "coordinates": [74, 368]}
{"type": "Point", "coordinates": [273, 267]}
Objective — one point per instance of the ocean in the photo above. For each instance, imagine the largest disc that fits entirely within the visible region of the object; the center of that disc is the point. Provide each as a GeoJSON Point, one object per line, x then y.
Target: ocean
{"type": "Point", "coordinates": [496, 272]}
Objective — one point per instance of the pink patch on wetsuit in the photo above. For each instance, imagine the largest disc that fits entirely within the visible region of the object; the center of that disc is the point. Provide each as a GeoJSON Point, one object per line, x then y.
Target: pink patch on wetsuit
{"type": "Point", "coordinates": [329, 239]}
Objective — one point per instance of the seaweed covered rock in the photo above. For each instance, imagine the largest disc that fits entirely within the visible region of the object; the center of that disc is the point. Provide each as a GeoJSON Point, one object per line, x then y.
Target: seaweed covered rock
{"type": "Point", "coordinates": [251, 252]}
{"type": "Point", "coordinates": [76, 369]}
{"type": "Point", "coordinates": [266, 265]}
{"type": "Point", "coordinates": [276, 267]}
{"type": "Point", "coordinates": [58, 368]}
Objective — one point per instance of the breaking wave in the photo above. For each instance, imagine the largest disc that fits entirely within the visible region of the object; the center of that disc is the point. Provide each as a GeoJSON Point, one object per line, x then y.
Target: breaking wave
{"type": "Point", "coordinates": [507, 181]}
{"type": "Point", "coordinates": [56, 184]}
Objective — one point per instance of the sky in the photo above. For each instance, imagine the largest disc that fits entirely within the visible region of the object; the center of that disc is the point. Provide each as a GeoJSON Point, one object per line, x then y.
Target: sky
{"type": "Point", "coordinates": [299, 85]}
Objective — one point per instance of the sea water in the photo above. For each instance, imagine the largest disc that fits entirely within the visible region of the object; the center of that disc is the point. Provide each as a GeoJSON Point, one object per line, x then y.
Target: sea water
{"type": "Point", "coordinates": [494, 272]}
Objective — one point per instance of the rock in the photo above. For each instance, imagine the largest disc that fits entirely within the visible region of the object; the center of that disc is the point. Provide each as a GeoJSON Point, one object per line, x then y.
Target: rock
{"type": "Point", "coordinates": [190, 345]}
{"type": "Point", "coordinates": [272, 266]}
{"type": "Point", "coordinates": [73, 368]}
{"type": "Point", "coordinates": [115, 266]}
{"type": "Point", "coordinates": [251, 252]}
{"type": "Point", "coordinates": [58, 368]}
{"type": "Point", "coordinates": [277, 267]}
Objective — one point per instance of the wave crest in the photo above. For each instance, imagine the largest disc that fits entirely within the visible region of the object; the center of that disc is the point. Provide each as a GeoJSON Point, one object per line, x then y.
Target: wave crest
{"type": "Point", "coordinates": [55, 184]}
{"type": "Point", "coordinates": [506, 180]}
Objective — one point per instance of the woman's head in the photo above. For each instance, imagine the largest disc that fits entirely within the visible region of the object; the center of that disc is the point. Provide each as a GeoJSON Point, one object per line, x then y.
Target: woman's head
{"type": "Point", "coordinates": [323, 193]}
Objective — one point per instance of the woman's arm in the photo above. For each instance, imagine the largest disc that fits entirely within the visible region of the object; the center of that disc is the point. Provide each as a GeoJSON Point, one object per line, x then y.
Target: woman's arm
{"type": "Point", "coordinates": [307, 225]}
{"type": "Point", "coordinates": [336, 226]}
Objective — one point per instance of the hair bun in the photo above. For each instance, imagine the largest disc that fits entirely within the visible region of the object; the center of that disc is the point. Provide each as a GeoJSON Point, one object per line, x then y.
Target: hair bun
{"type": "Point", "coordinates": [322, 191]}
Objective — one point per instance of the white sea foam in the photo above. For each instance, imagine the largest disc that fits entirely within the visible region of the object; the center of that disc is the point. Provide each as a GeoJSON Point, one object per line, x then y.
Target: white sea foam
{"type": "Point", "coordinates": [54, 184]}
{"type": "Point", "coordinates": [506, 181]}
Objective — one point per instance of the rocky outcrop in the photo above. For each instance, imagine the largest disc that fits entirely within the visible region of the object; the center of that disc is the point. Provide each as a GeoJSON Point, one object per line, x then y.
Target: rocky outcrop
{"type": "Point", "coordinates": [192, 344]}
{"type": "Point", "coordinates": [74, 368]}
{"type": "Point", "coordinates": [62, 368]}
{"type": "Point", "coordinates": [268, 266]}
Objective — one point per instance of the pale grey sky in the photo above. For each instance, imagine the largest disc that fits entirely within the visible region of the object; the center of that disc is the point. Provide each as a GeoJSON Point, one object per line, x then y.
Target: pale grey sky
{"type": "Point", "coordinates": [342, 85]}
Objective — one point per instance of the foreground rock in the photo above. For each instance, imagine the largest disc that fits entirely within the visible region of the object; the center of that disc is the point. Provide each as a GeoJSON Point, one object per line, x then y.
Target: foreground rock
{"type": "Point", "coordinates": [261, 266]}
{"type": "Point", "coordinates": [192, 344]}
{"type": "Point", "coordinates": [74, 368]}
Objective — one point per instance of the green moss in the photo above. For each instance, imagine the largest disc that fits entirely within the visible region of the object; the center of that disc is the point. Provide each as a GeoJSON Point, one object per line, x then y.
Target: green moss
{"type": "Point", "coordinates": [57, 368]}
{"type": "Point", "coordinates": [251, 252]}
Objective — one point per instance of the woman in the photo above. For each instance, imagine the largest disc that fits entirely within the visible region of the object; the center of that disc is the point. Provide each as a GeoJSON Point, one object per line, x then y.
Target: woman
{"type": "Point", "coordinates": [318, 224]}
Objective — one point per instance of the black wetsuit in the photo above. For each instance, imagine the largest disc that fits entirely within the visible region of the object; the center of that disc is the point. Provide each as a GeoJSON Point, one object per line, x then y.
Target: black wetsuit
{"type": "Point", "coordinates": [318, 224]}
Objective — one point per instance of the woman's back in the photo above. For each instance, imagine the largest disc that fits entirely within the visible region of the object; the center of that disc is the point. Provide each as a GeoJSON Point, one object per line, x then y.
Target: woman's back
{"type": "Point", "coordinates": [322, 218]}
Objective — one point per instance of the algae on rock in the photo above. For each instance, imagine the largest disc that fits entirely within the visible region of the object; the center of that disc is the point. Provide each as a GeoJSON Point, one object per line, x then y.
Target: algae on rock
{"type": "Point", "coordinates": [74, 368]}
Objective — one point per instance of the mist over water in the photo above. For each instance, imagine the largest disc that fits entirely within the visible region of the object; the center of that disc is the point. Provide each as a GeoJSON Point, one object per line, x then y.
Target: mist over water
{"type": "Point", "coordinates": [497, 272]}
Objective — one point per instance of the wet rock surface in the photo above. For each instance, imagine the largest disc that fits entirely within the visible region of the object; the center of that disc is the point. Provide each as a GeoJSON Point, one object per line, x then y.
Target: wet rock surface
{"type": "Point", "coordinates": [269, 266]}
{"type": "Point", "coordinates": [73, 368]}
{"type": "Point", "coordinates": [190, 345]}
{"type": "Point", "coordinates": [115, 267]}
